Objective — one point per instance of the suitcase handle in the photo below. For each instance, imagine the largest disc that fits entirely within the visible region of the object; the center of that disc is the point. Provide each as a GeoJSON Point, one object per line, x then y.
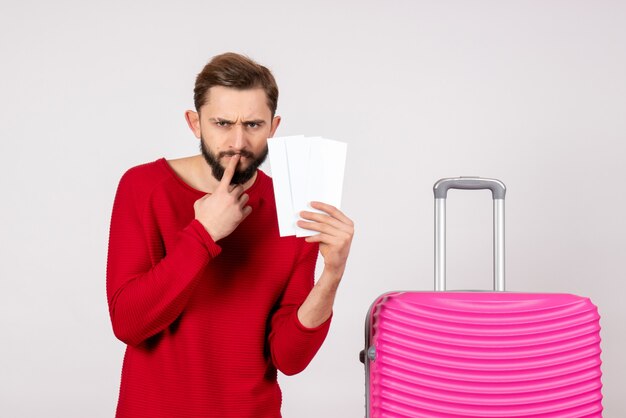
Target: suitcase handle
{"type": "Point", "coordinates": [498, 191]}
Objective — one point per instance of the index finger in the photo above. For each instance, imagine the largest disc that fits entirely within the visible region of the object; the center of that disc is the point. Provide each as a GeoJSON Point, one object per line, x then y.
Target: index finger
{"type": "Point", "coordinates": [332, 211]}
{"type": "Point", "coordinates": [229, 171]}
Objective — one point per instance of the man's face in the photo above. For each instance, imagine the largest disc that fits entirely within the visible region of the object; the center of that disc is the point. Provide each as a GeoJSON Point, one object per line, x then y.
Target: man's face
{"type": "Point", "coordinates": [234, 122]}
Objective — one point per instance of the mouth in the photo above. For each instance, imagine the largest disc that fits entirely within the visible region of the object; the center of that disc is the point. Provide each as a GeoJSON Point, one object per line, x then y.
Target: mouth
{"type": "Point", "coordinates": [244, 155]}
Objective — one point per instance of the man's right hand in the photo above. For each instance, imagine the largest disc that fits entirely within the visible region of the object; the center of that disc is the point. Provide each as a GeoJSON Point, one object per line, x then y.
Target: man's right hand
{"type": "Point", "coordinates": [222, 211]}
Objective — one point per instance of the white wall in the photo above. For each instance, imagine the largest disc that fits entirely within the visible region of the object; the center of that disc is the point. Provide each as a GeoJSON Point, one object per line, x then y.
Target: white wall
{"type": "Point", "coordinates": [531, 92]}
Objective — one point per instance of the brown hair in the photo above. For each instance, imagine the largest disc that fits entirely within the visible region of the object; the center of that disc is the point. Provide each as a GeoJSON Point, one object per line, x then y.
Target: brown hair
{"type": "Point", "coordinates": [238, 72]}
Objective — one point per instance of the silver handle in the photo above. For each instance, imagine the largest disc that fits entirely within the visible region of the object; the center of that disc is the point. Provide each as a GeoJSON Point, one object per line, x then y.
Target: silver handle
{"type": "Point", "coordinates": [498, 191]}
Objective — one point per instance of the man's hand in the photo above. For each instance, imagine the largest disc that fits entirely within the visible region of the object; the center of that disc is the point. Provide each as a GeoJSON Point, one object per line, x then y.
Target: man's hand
{"type": "Point", "coordinates": [335, 235]}
{"type": "Point", "coordinates": [222, 211]}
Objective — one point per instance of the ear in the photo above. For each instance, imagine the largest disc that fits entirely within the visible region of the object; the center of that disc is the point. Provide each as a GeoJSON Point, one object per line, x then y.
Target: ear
{"type": "Point", "coordinates": [193, 121]}
{"type": "Point", "coordinates": [275, 123]}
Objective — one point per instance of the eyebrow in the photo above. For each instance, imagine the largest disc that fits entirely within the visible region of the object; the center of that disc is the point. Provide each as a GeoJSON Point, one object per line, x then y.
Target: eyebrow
{"type": "Point", "coordinates": [222, 120]}
{"type": "Point", "coordinates": [257, 121]}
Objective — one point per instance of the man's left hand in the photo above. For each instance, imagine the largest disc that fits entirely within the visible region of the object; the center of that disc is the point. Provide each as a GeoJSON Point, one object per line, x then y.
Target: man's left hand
{"type": "Point", "coordinates": [335, 235]}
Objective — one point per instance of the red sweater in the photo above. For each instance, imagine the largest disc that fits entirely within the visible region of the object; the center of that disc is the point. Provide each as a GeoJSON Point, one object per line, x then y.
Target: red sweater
{"type": "Point", "coordinates": [207, 324]}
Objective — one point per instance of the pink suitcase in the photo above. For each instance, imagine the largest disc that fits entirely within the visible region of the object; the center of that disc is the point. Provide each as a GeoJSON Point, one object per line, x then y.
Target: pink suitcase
{"type": "Point", "coordinates": [481, 354]}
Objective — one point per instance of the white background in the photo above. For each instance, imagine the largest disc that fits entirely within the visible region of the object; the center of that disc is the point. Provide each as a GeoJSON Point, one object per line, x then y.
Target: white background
{"type": "Point", "coordinates": [530, 92]}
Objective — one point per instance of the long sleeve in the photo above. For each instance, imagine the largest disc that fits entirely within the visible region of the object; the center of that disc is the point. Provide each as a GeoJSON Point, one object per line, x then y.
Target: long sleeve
{"type": "Point", "coordinates": [292, 345]}
{"type": "Point", "coordinates": [206, 325]}
{"type": "Point", "coordinates": [146, 294]}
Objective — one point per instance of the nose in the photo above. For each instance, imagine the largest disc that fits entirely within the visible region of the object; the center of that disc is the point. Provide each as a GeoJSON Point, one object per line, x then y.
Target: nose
{"type": "Point", "coordinates": [239, 137]}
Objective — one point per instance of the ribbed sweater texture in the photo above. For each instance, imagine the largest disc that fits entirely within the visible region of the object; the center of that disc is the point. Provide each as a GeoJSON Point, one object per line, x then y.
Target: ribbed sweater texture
{"type": "Point", "coordinates": [207, 325]}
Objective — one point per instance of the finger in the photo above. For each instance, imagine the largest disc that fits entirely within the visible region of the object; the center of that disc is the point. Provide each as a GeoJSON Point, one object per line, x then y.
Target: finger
{"type": "Point", "coordinates": [323, 228]}
{"type": "Point", "coordinates": [243, 199]}
{"type": "Point", "coordinates": [326, 219]}
{"type": "Point", "coordinates": [246, 211]}
{"type": "Point", "coordinates": [322, 219]}
{"type": "Point", "coordinates": [236, 190]}
{"type": "Point", "coordinates": [332, 211]}
{"type": "Point", "coordinates": [322, 239]}
{"type": "Point", "coordinates": [229, 171]}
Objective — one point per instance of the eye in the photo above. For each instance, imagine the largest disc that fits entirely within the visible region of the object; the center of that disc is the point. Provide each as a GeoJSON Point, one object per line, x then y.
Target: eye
{"type": "Point", "coordinates": [253, 124]}
{"type": "Point", "coordinates": [222, 123]}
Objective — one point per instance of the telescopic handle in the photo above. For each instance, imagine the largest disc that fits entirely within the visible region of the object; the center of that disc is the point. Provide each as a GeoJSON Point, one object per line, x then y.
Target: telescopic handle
{"type": "Point", "coordinates": [498, 191]}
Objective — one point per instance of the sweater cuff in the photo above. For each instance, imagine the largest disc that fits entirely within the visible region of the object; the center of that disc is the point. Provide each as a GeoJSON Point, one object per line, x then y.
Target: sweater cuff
{"type": "Point", "coordinates": [198, 230]}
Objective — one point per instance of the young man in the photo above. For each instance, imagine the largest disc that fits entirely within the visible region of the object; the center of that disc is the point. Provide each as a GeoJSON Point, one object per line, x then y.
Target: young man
{"type": "Point", "coordinates": [210, 301]}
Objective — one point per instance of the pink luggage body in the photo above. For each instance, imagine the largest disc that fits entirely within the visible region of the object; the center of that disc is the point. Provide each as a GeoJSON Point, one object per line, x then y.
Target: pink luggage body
{"type": "Point", "coordinates": [481, 354]}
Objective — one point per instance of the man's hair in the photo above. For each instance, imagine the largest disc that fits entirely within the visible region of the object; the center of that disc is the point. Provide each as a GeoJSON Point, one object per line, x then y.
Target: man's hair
{"type": "Point", "coordinates": [238, 72]}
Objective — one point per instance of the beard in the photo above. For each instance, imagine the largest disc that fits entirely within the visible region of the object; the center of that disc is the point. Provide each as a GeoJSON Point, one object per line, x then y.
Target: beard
{"type": "Point", "coordinates": [240, 176]}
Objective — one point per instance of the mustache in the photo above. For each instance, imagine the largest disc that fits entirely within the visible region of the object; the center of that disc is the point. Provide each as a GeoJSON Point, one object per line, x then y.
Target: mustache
{"type": "Point", "coordinates": [230, 153]}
